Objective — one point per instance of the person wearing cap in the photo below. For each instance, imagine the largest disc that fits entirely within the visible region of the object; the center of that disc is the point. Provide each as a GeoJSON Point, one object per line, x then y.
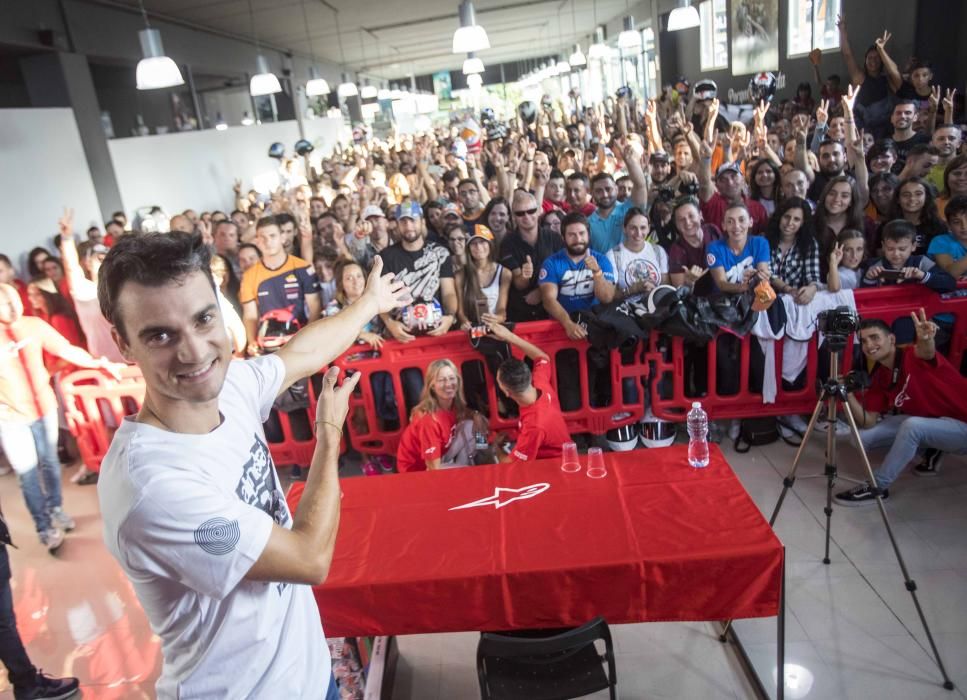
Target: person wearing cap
{"type": "Point", "coordinates": [729, 189]}
{"type": "Point", "coordinates": [608, 217]}
{"type": "Point", "coordinates": [451, 218]}
{"type": "Point", "coordinates": [82, 264]}
{"type": "Point", "coordinates": [376, 238]}
{"type": "Point", "coordinates": [424, 267]}
{"type": "Point", "coordinates": [660, 167]}
{"type": "Point", "coordinates": [482, 281]}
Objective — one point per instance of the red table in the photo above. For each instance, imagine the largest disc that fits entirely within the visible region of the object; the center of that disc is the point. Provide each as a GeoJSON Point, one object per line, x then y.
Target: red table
{"type": "Point", "coordinates": [654, 540]}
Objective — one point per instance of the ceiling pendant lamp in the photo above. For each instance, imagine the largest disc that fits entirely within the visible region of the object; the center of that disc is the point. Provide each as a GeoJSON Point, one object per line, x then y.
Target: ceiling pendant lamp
{"type": "Point", "coordinates": [474, 81]}
{"type": "Point", "coordinates": [577, 59]}
{"type": "Point", "coordinates": [469, 36]}
{"type": "Point", "coordinates": [472, 64]}
{"type": "Point", "coordinates": [369, 92]}
{"type": "Point", "coordinates": [155, 70]}
{"type": "Point", "coordinates": [265, 81]}
{"type": "Point", "coordinates": [629, 37]}
{"type": "Point", "coordinates": [316, 85]}
{"type": "Point", "coordinates": [683, 17]}
{"type": "Point", "coordinates": [347, 88]}
{"type": "Point", "coordinates": [598, 49]}
{"type": "Point", "coordinates": [563, 66]}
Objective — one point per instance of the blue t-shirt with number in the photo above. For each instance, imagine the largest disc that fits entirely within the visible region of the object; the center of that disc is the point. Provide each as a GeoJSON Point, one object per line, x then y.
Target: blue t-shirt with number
{"type": "Point", "coordinates": [575, 282]}
{"type": "Point", "coordinates": [756, 251]}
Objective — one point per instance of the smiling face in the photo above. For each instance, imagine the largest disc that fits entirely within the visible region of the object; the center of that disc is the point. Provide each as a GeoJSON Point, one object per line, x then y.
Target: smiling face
{"type": "Point", "coordinates": [912, 197]}
{"type": "Point", "coordinates": [831, 158]}
{"type": "Point", "coordinates": [576, 239]}
{"type": "Point", "coordinates": [838, 199]}
{"type": "Point", "coordinates": [736, 225]}
{"type": "Point", "coordinates": [353, 282]}
{"type": "Point", "coordinates": [947, 139]}
{"type": "Point", "coordinates": [795, 184]}
{"type": "Point", "coordinates": [765, 177]}
{"type": "Point", "coordinates": [498, 219]}
{"type": "Point", "coordinates": [853, 250]}
{"type": "Point", "coordinates": [445, 385]}
{"type": "Point", "coordinates": [883, 162]}
{"type": "Point", "coordinates": [877, 344]}
{"type": "Point", "coordinates": [790, 222]}
{"type": "Point", "coordinates": [688, 221]}
{"type": "Point", "coordinates": [577, 193]}
{"type": "Point", "coordinates": [605, 193]}
{"type": "Point", "coordinates": [903, 115]}
{"type": "Point", "coordinates": [636, 232]}
{"type": "Point", "coordinates": [176, 335]}
{"type": "Point", "coordinates": [957, 180]}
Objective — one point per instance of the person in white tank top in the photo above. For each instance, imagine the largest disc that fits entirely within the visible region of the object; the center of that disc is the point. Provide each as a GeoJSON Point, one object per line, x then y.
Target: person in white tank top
{"type": "Point", "coordinates": [483, 283]}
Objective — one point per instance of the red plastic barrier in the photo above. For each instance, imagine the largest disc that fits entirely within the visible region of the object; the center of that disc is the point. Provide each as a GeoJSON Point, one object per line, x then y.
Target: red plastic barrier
{"type": "Point", "coordinates": [374, 438]}
{"type": "Point", "coordinates": [95, 403]}
{"type": "Point", "coordinates": [669, 400]}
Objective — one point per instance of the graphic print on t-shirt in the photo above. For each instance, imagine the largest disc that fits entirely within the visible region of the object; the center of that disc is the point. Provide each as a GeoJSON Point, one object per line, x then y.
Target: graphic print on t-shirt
{"type": "Point", "coordinates": [641, 270]}
{"type": "Point", "coordinates": [257, 486]}
{"type": "Point", "coordinates": [423, 278]}
{"type": "Point", "coordinates": [577, 283]}
{"type": "Point", "coordinates": [734, 273]}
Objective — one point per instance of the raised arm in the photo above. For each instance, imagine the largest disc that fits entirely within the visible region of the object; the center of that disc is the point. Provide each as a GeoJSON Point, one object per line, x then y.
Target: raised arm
{"type": "Point", "coordinates": [501, 332]}
{"type": "Point", "coordinates": [893, 76]}
{"type": "Point", "coordinates": [856, 74]}
{"type": "Point", "coordinates": [319, 343]}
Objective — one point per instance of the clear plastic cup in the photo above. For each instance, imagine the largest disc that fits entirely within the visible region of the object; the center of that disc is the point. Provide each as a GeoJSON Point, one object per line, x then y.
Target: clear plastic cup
{"type": "Point", "coordinates": [596, 469]}
{"type": "Point", "coordinates": [569, 458]}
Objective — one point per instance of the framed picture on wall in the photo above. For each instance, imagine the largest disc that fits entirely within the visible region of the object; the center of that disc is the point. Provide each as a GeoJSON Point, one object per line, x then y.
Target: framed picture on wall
{"type": "Point", "coordinates": [755, 36]}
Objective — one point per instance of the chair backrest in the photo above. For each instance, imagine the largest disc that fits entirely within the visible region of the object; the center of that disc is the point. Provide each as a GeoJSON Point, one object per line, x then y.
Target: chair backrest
{"type": "Point", "coordinates": [548, 649]}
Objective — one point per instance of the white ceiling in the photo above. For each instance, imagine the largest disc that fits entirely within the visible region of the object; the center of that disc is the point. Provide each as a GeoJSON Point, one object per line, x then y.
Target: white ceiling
{"type": "Point", "coordinates": [393, 38]}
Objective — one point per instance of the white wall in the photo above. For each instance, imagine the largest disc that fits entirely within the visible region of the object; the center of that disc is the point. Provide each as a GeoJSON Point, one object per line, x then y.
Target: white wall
{"type": "Point", "coordinates": [196, 169]}
{"type": "Point", "coordinates": [42, 169]}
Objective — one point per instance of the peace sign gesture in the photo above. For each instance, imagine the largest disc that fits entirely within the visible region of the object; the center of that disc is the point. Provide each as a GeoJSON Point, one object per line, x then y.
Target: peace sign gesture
{"type": "Point", "coordinates": [926, 329]}
{"type": "Point", "coordinates": [849, 99]}
{"type": "Point", "coordinates": [948, 102]}
{"type": "Point", "coordinates": [65, 224]}
{"type": "Point", "coordinates": [881, 41]}
{"type": "Point", "coordinates": [822, 112]}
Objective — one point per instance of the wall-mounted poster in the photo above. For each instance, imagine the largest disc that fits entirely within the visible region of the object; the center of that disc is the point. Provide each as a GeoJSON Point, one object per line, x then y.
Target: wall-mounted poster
{"type": "Point", "coordinates": [755, 36]}
{"type": "Point", "coordinates": [442, 87]}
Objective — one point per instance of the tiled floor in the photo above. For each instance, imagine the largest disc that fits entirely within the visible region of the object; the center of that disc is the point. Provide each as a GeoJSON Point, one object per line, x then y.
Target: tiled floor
{"type": "Point", "coordinates": [852, 630]}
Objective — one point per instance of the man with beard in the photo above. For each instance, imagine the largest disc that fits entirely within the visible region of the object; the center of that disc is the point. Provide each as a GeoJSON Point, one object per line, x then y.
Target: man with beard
{"type": "Point", "coordinates": [287, 227]}
{"type": "Point", "coordinates": [471, 203]}
{"type": "Point", "coordinates": [904, 136]}
{"type": "Point", "coordinates": [575, 278]}
{"type": "Point", "coordinates": [523, 251]}
{"type": "Point", "coordinates": [946, 139]}
{"type": "Point", "coordinates": [832, 163]}
{"type": "Point", "coordinates": [607, 220]}
{"type": "Point", "coordinates": [579, 194]}
{"type": "Point", "coordinates": [424, 267]}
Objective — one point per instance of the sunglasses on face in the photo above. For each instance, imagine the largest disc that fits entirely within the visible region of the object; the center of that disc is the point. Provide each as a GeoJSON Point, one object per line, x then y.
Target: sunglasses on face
{"type": "Point", "coordinates": [525, 212]}
{"type": "Point", "coordinates": [458, 239]}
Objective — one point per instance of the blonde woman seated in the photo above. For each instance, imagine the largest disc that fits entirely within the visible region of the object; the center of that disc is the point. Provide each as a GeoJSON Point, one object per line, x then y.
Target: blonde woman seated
{"type": "Point", "coordinates": [441, 428]}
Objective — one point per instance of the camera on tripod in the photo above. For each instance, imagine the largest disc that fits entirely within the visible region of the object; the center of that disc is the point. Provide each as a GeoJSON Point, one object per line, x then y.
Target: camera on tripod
{"type": "Point", "coordinates": [856, 381]}
{"type": "Point", "coordinates": [837, 325]}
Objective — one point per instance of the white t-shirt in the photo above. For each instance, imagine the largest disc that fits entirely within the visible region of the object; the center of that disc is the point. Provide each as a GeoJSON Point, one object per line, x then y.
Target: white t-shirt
{"type": "Point", "coordinates": [187, 516]}
{"type": "Point", "coordinates": [630, 268]}
{"type": "Point", "coordinates": [849, 278]}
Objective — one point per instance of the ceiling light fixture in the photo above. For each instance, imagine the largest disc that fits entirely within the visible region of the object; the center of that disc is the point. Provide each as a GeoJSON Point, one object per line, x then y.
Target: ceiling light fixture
{"type": "Point", "coordinates": [629, 37]}
{"type": "Point", "coordinates": [155, 70]}
{"type": "Point", "coordinates": [683, 17]}
{"type": "Point", "coordinates": [598, 49]}
{"type": "Point", "coordinates": [469, 36]}
{"type": "Point", "coordinates": [369, 92]}
{"type": "Point", "coordinates": [578, 59]}
{"type": "Point", "coordinates": [472, 64]}
{"type": "Point", "coordinates": [474, 81]}
{"type": "Point", "coordinates": [264, 82]}
{"type": "Point", "coordinates": [346, 88]}
{"type": "Point", "coordinates": [316, 85]}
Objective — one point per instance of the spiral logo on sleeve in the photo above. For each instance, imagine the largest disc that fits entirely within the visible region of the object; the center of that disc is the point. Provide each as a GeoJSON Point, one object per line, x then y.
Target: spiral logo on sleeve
{"type": "Point", "coordinates": [218, 535]}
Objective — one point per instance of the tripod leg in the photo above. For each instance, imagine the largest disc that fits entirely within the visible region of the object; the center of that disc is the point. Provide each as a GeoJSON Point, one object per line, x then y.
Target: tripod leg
{"type": "Point", "coordinates": [911, 585]}
{"type": "Point", "coordinates": [830, 472]}
{"type": "Point", "coordinates": [791, 478]}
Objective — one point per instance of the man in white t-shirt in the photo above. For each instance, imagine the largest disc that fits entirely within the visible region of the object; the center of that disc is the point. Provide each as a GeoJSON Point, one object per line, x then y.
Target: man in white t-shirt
{"type": "Point", "coordinates": [639, 265]}
{"type": "Point", "coordinates": [192, 506]}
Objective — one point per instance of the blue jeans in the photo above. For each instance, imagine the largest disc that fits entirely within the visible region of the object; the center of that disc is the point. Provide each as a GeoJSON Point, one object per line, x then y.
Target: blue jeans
{"type": "Point", "coordinates": [31, 449]}
{"type": "Point", "coordinates": [333, 692]}
{"type": "Point", "coordinates": [905, 436]}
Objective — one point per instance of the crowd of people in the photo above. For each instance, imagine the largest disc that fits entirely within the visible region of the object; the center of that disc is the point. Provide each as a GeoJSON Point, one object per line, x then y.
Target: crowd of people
{"type": "Point", "coordinates": [557, 210]}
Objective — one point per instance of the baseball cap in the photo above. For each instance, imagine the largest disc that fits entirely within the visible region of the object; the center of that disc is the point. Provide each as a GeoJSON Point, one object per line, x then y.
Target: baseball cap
{"type": "Point", "coordinates": [659, 157]}
{"type": "Point", "coordinates": [372, 210]}
{"type": "Point", "coordinates": [451, 208]}
{"type": "Point", "coordinates": [408, 210]}
{"type": "Point", "coordinates": [706, 90]}
{"type": "Point", "coordinates": [481, 231]}
{"type": "Point", "coordinates": [727, 167]}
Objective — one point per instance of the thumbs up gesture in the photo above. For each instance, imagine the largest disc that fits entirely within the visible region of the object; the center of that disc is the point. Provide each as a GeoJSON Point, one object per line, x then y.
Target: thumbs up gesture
{"type": "Point", "coordinates": [527, 269]}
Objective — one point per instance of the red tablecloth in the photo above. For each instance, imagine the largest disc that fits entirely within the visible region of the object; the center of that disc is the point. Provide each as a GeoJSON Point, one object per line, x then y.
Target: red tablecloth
{"type": "Point", "coordinates": [654, 540]}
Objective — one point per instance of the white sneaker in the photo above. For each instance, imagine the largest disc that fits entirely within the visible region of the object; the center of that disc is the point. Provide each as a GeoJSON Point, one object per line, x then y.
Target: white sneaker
{"type": "Point", "coordinates": [793, 426]}
{"type": "Point", "coordinates": [62, 520]}
{"type": "Point", "coordinates": [52, 538]}
{"type": "Point", "coordinates": [735, 429]}
{"type": "Point", "coordinates": [841, 428]}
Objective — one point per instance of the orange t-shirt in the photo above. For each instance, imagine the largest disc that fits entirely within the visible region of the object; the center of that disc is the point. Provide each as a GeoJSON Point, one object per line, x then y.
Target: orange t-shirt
{"type": "Point", "coordinates": [25, 393]}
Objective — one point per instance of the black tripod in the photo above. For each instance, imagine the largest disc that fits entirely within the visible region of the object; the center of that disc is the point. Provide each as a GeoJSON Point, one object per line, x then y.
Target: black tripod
{"type": "Point", "coordinates": [833, 394]}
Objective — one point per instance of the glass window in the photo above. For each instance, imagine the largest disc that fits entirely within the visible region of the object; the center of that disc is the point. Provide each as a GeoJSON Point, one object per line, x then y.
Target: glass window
{"type": "Point", "coordinates": [714, 33]}
{"type": "Point", "coordinates": [812, 25]}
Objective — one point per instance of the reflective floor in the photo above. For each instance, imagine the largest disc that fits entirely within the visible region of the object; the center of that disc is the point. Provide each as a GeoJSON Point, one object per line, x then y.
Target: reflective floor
{"type": "Point", "coordinates": [852, 629]}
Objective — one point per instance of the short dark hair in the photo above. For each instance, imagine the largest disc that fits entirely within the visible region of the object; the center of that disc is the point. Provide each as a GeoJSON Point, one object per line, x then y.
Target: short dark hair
{"type": "Point", "coordinates": [578, 175]}
{"type": "Point", "coordinates": [467, 181]}
{"type": "Point", "coordinates": [832, 142]}
{"type": "Point", "coordinates": [239, 211]}
{"type": "Point", "coordinates": [556, 175]}
{"type": "Point", "coordinates": [150, 260]}
{"type": "Point", "coordinates": [905, 101]}
{"type": "Point", "coordinates": [5, 259]}
{"type": "Point", "coordinates": [632, 213]}
{"type": "Point", "coordinates": [955, 207]}
{"type": "Point", "coordinates": [284, 218]}
{"type": "Point", "coordinates": [112, 222]}
{"type": "Point", "coordinates": [601, 176]}
{"type": "Point", "coordinates": [253, 247]}
{"type": "Point", "coordinates": [880, 325]}
{"type": "Point", "coordinates": [574, 217]}
{"type": "Point", "coordinates": [450, 175]}
{"type": "Point", "coordinates": [267, 221]}
{"type": "Point", "coordinates": [515, 375]}
{"type": "Point", "coordinates": [898, 230]}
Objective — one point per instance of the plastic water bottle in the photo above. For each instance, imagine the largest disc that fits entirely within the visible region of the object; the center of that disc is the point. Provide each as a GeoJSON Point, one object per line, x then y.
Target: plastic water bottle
{"type": "Point", "coordinates": [697, 436]}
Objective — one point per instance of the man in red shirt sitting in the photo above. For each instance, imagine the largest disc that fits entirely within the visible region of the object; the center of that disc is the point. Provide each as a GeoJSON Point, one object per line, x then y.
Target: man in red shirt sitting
{"type": "Point", "coordinates": [916, 400]}
{"type": "Point", "coordinates": [542, 429]}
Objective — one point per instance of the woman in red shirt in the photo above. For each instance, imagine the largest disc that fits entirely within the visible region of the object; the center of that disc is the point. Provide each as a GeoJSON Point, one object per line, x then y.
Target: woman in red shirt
{"type": "Point", "coordinates": [47, 304]}
{"type": "Point", "coordinates": [441, 426]}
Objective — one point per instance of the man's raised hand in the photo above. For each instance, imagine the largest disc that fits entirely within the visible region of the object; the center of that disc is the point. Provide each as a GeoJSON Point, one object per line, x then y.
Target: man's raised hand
{"type": "Point", "coordinates": [333, 405]}
{"type": "Point", "coordinates": [389, 292]}
{"type": "Point", "coordinates": [527, 269]}
{"type": "Point", "coordinates": [65, 224]}
{"type": "Point", "coordinates": [926, 329]}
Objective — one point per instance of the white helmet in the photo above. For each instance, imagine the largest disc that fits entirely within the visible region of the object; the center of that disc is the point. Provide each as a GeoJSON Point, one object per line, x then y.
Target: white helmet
{"type": "Point", "coordinates": [622, 439]}
{"type": "Point", "coordinates": [655, 432]}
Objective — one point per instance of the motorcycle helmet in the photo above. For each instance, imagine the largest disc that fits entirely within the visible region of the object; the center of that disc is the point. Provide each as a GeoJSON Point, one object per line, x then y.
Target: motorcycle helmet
{"type": "Point", "coordinates": [762, 86]}
{"type": "Point", "coordinates": [496, 132]}
{"type": "Point", "coordinates": [681, 85]}
{"type": "Point", "coordinates": [150, 220]}
{"type": "Point", "coordinates": [622, 439]}
{"type": "Point", "coordinates": [655, 432]}
{"type": "Point", "coordinates": [276, 327]}
{"type": "Point", "coordinates": [487, 116]}
{"type": "Point", "coordinates": [470, 133]}
{"type": "Point", "coordinates": [277, 150]}
{"type": "Point", "coordinates": [459, 149]}
{"type": "Point", "coordinates": [661, 297]}
{"type": "Point", "coordinates": [527, 111]}
{"type": "Point", "coordinates": [303, 147]}
{"type": "Point", "coordinates": [422, 317]}
{"type": "Point", "coordinates": [706, 90]}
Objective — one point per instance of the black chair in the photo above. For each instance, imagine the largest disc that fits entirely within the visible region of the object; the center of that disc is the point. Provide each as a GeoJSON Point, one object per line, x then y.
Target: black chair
{"type": "Point", "coordinates": [565, 665]}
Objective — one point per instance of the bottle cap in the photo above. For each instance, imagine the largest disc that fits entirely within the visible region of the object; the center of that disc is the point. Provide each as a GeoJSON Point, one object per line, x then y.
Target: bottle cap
{"type": "Point", "coordinates": [696, 404]}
